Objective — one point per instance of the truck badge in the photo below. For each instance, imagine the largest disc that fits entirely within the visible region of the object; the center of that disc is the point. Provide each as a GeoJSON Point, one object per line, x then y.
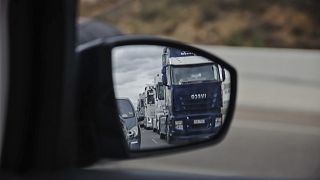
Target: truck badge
{"type": "Point", "coordinates": [198, 96]}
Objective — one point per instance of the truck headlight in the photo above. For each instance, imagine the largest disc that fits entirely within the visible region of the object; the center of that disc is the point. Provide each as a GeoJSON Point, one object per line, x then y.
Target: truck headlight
{"type": "Point", "coordinates": [178, 125]}
{"type": "Point", "coordinates": [218, 121]}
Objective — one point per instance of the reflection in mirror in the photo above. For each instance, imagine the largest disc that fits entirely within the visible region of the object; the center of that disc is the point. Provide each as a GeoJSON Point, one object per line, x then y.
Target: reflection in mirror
{"type": "Point", "coordinates": [168, 97]}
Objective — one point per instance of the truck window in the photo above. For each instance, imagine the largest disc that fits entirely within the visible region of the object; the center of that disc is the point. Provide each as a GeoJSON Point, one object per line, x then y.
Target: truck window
{"type": "Point", "coordinates": [150, 97]}
{"type": "Point", "coordinates": [194, 74]}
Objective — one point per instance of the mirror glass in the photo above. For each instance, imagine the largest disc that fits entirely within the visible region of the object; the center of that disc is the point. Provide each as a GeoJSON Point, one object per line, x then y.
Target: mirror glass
{"type": "Point", "coordinates": [168, 97]}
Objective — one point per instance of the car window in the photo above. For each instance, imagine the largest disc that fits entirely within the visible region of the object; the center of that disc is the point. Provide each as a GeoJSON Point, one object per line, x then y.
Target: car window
{"type": "Point", "coordinates": [125, 109]}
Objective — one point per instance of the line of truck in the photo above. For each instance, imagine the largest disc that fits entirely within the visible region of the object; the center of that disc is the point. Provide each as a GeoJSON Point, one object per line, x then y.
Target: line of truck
{"type": "Point", "coordinates": [186, 100]}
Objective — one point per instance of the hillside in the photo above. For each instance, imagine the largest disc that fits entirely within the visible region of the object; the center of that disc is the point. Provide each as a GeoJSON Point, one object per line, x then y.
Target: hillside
{"type": "Point", "coordinates": [263, 23]}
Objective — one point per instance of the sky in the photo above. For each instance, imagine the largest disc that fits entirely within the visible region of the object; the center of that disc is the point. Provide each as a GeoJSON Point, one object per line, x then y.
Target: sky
{"type": "Point", "coordinates": [134, 66]}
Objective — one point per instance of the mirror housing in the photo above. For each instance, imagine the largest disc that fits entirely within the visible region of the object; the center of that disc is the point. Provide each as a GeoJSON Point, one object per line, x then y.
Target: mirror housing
{"type": "Point", "coordinates": [103, 48]}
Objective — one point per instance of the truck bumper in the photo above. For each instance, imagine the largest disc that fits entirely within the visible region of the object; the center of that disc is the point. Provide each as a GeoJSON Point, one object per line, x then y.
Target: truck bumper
{"type": "Point", "coordinates": [148, 125]}
{"type": "Point", "coordinates": [192, 131]}
{"type": "Point", "coordinates": [195, 137]}
{"type": "Point", "coordinates": [134, 145]}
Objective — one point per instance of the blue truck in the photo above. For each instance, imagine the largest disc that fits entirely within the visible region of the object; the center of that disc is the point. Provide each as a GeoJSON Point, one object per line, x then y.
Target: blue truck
{"type": "Point", "coordinates": [193, 96]}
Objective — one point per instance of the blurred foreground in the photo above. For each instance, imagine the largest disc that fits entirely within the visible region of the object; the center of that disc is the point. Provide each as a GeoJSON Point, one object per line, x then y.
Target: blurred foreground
{"type": "Point", "coordinates": [263, 23]}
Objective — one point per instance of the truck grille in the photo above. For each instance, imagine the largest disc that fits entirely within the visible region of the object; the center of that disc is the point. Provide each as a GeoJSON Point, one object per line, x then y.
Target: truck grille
{"type": "Point", "coordinates": [197, 98]}
{"type": "Point", "coordinates": [195, 106]}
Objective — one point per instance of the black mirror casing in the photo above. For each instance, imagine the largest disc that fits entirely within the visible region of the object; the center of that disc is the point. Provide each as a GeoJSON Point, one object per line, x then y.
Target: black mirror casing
{"type": "Point", "coordinates": [96, 103]}
{"type": "Point", "coordinates": [105, 47]}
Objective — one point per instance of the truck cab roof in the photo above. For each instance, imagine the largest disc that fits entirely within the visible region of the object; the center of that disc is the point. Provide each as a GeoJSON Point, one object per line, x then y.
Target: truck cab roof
{"type": "Point", "coordinates": [188, 60]}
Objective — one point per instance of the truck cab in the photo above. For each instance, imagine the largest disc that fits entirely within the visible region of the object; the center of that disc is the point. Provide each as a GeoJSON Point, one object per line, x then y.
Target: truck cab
{"type": "Point", "coordinates": [193, 96]}
{"type": "Point", "coordinates": [159, 103]}
{"type": "Point", "coordinates": [141, 107]}
{"type": "Point", "coordinates": [149, 104]}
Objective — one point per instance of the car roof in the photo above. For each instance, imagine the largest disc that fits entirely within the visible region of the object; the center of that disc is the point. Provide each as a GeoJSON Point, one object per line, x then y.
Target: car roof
{"type": "Point", "coordinates": [126, 99]}
{"type": "Point", "coordinates": [91, 29]}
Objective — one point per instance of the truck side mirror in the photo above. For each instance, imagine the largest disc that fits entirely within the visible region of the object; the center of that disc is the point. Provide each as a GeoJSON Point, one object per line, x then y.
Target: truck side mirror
{"type": "Point", "coordinates": [223, 74]}
{"type": "Point", "coordinates": [164, 76]}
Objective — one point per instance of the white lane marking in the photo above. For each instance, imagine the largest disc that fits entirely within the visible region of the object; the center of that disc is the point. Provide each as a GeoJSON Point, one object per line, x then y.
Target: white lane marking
{"type": "Point", "coordinates": [154, 141]}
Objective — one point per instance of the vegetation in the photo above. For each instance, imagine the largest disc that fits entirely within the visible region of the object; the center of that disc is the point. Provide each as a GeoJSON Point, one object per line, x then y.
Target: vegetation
{"type": "Point", "coordinates": [267, 23]}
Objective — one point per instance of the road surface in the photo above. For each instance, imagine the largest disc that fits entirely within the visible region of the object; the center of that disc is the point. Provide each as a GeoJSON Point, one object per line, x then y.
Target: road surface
{"type": "Point", "coordinates": [276, 128]}
{"type": "Point", "coordinates": [150, 139]}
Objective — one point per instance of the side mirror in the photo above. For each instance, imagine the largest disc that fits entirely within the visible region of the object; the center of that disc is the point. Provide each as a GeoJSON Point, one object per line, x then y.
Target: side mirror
{"type": "Point", "coordinates": [193, 100]}
{"type": "Point", "coordinates": [223, 74]}
{"type": "Point", "coordinates": [164, 76]}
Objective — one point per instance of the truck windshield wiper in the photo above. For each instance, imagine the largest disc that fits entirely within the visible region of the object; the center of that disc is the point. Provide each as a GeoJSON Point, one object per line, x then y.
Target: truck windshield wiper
{"type": "Point", "coordinates": [197, 81]}
{"type": "Point", "coordinates": [188, 82]}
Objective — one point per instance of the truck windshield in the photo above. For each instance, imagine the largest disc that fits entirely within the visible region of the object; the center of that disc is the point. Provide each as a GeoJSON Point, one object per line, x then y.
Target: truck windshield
{"type": "Point", "coordinates": [194, 74]}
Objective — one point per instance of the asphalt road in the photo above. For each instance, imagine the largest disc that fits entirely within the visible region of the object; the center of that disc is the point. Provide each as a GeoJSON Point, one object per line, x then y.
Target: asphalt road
{"type": "Point", "coordinates": [151, 140]}
{"type": "Point", "coordinates": [281, 79]}
{"type": "Point", "coordinates": [276, 128]}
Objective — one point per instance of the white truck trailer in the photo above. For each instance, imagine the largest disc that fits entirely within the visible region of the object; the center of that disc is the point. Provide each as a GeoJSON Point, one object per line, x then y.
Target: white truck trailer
{"type": "Point", "coordinates": [159, 103]}
{"type": "Point", "coordinates": [141, 107]}
{"type": "Point", "coordinates": [149, 92]}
